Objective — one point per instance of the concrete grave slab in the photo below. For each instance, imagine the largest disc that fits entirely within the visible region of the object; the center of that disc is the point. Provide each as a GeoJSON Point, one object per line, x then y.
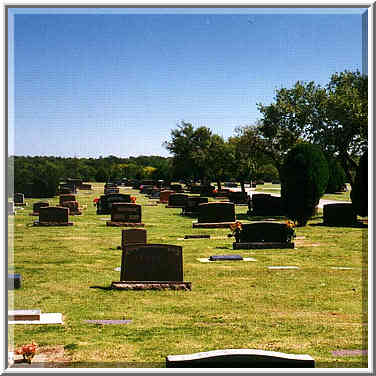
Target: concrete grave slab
{"type": "Point", "coordinates": [208, 260]}
{"type": "Point", "coordinates": [45, 318]}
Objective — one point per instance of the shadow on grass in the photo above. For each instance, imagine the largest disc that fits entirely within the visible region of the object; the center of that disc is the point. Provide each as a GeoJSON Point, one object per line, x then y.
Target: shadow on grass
{"type": "Point", "coordinates": [259, 218]}
{"type": "Point", "coordinates": [355, 225]}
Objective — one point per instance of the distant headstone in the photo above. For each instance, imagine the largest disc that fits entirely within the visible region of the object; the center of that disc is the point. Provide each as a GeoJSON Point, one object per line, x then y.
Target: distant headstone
{"type": "Point", "coordinates": [265, 205]}
{"type": "Point", "coordinates": [240, 358]}
{"type": "Point", "coordinates": [177, 200]}
{"type": "Point", "coordinates": [223, 193]}
{"type": "Point", "coordinates": [14, 281]}
{"type": "Point", "coordinates": [111, 190]}
{"type": "Point", "coordinates": [195, 189]}
{"type": "Point", "coordinates": [85, 186]}
{"type": "Point", "coordinates": [105, 202]}
{"type": "Point", "coordinates": [146, 189]}
{"type": "Point", "coordinates": [53, 216]}
{"type": "Point", "coordinates": [19, 199]}
{"type": "Point", "coordinates": [155, 193]}
{"type": "Point", "coordinates": [239, 198]}
{"type": "Point", "coordinates": [153, 266]}
{"type": "Point", "coordinates": [66, 197]}
{"type": "Point", "coordinates": [207, 190]}
{"type": "Point", "coordinates": [215, 214]}
{"type": "Point", "coordinates": [192, 204]}
{"type": "Point", "coordinates": [38, 205]}
{"type": "Point", "coordinates": [66, 189]}
{"type": "Point", "coordinates": [130, 237]}
{"type": "Point", "coordinates": [72, 206]}
{"type": "Point", "coordinates": [263, 235]}
{"type": "Point", "coordinates": [124, 214]}
{"type": "Point", "coordinates": [176, 187]}
{"type": "Point", "coordinates": [339, 214]}
{"type": "Point", "coordinates": [231, 185]}
{"type": "Point", "coordinates": [164, 195]}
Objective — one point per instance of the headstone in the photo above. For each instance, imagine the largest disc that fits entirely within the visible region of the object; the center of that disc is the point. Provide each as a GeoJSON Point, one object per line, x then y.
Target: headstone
{"type": "Point", "coordinates": [155, 193]}
{"type": "Point", "coordinates": [176, 187]}
{"type": "Point", "coordinates": [226, 258]}
{"type": "Point", "coordinates": [53, 216]}
{"type": "Point", "coordinates": [263, 235]}
{"type": "Point", "coordinates": [124, 214]}
{"type": "Point", "coordinates": [66, 189]}
{"type": "Point", "coordinates": [223, 193]}
{"type": "Point", "coordinates": [85, 186]}
{"type": "Point", "coordinates": [72, 206]}
{"type": "Point", "coordinates": [155, 266]}
{"type": "Point", "coordinates": [238, 198]}
{"type": "Point", "coordinates": [164, 195]}
{"type": "Point", "coordinates": [339, 214]}
{"type": "Point", "coordinates": [207, 190]}
{"type": "Point", "coordinates": [23, 315]}
{"type": "Point", "coordinates": [177, 200]}
{"type": "Point", "coordinates": [14, 281]}
{"type": "Point", "coordinates": [19, 199]}
{"type": "Point", "coordinates": [67, 197]}
{"type": "Point", "coordinates": [105, 202]}
{"type": "Point", "coordinates": [240, 358]}
{"type": "Point", "coordinates": [111, 190]}
{"type": "Point", "coordinates": [146, 189]}
{"type": "Point", "coordinates": [231, 185]}
{"type": "Point", "coordinates": [215, 214]}
{"type": "Point", "coordinates": [130, 237]}
{"type": "Point", "coordinates": [265, 205]}
{"type": "Point", "coordinates": [195, 189]}
{"type": "Point", "coordinates": [192, 204]}
{"type": "Point", "coordinates": [147, 182]}
{"type": "Point", "coordinates": [38, 205]}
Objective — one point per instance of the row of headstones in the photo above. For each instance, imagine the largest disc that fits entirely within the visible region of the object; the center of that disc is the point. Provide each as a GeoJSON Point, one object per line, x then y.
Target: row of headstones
{"type": "Point", "coordinates": [341, 214]}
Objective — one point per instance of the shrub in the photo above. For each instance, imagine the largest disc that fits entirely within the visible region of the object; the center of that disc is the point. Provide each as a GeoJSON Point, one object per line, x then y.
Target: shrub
{"type": "Point", "coordinates": [359, 192]}
{"type": "Point", "coordinates": [305, 176]}
{"type": "Point", "coordinates": [337, 176]}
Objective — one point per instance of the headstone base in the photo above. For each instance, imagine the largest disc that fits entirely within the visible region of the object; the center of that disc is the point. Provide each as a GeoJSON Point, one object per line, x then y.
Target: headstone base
{"type": "Point", "coordinates": [34, 214]}
{"type": "Point", "coordinates": [151, 285]}
{"type": "Point", "coordinates": [262, 245]}
{"type": "Point", "coordinates": [19, 204]}
{"type": "Point", "coordinates": [37, 223]}
{"type": "Point", "coordinates": [212, 225]}
{"type": "Point", "coordinates": [174, 206]}
{"type": "Point", "coordinates": [124, 224]}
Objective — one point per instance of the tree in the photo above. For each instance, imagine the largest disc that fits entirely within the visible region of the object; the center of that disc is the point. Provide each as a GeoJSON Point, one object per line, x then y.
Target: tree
{"type": "Point", "coordinates": [334, 117]}
{"type": "Point", "coordinates": [102, 175]}
{"type": "Point", "coordinates": [304, 179]}
{"type": "Point", "coordinates": [337, 176]}
{"type": "Point", "coordinates": [359, 193]}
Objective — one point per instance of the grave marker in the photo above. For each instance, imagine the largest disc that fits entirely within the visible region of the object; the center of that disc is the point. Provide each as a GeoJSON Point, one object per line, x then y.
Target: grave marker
{"type": "Point", "coordinates": [164, 195]}
{"type": "Point", "coordinates": [342, 214]}
{"type": "Point", "coordinates": [177, 200]}
{"type": "Point", "coordinates": [53, 216]}
{"type": "Point", "coordinates": [124, 214]}
{"type": "Point", "coordinates": [215, 215]}
{"type": "Point", "coordinates": [105, 202]}
{"type": "Point", "coordinates": [72, 206]}
{"type": "Point", "coordinates": [14, 281]}
{"type": "Point", "coordinates": [265, 205]}
{"type": "Point", "coordinates": [263, 235]}
{"type": "Point", "coordinates": [19, 199]}
{"type": "Point", "coordinates": [153, 266]}
{"type": "Point", "coordinates": [239, 198]}
{"type": "Point", "coordinates": [66, 197]}
{"type": "Point", "coordinates": [226, 258]}
{"type": "Point", "coordinates": [38, 205]}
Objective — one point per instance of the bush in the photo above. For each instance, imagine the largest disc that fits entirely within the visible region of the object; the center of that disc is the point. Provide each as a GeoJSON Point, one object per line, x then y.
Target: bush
{"type": "Point", "coordinates": [337, 176]}
{"type": "Point", "coordinates": [305, 176]}
{"type": "Point", "coordinates": [359, 192]}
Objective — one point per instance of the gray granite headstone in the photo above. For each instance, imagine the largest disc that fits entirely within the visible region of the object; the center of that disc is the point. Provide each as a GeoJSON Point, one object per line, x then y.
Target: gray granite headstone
{"type": "Point", "coordinates": [240, 358]}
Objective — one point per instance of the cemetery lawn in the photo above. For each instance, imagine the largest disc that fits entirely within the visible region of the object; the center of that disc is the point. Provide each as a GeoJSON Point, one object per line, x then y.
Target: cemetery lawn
{"type": "Point", "coordinates": [314, 310]}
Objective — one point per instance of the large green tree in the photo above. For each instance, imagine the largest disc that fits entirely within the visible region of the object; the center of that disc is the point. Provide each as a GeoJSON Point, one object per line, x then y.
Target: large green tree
{"type": "Point", "coordinates": [334, 117]}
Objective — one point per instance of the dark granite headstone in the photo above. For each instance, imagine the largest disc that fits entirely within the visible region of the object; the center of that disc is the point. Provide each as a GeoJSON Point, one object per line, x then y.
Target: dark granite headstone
{"type": "Point", "coordinates": [53, 214]}
{"type": "Point", "coordinates": [265, 205]}
{"type": "Point", "coordinates": [231, 184]}
{"type": "Point", "coordinates": [207, 190]}
{"type": "Point", "coordinates": [192, 204]}
{"type": "Point", "coordinates": [38, 205]}
{"type": "Point", "coordinates": [111, 190]}
{"type": "Point", "coordinates": [238, 197]}
{"type": "Point", "coordinates": [263, 235]}
{"type": "Point", "coordinates": [342, 214]}
{"type": "Point", "coordinates": [133, 236]}
{"type": "Point", "coordinates": [19, 199]}
{"type": "Point", "coordinates": [72, 206]}
{"type": "Point", "coordinates": [154, 262]}
{"type": "Point", "coordinates": [124, 212]}
{"type": "Point", "coordinates": [105, 202]}
{"type": "Point", "coordinates": [195, 189]}
{"type": "Point", "coordinates": [240, 358]}
{"type": "Point", "coordinates": [14, 281]}
{"type": "Point", "coordinates": [177, 200]}
{"type": "Point", "coordinates": [177, 188]}
{"type": "Point", "coordinates": [226, 258]}
{"type": "Point", "coordinates": [146, 189]}
{"type": "Point", "coordinates": [85, 186]}
{"type": "Point", "coordinates": [214, 212]}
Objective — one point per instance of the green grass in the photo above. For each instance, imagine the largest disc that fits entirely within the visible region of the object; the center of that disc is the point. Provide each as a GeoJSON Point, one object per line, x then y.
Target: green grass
{"type": "Point", "coordinates": [314, 310]}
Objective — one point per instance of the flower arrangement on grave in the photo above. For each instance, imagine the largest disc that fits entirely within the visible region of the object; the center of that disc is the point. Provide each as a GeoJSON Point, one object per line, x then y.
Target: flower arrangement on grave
{"type": "Point", "coordinates": [95, 201]}
{"type": "Point", "coordinates": [133, 199]}
{"type": "Point", "coordinates": [27, 351]}
{"type": "Point", "coordinates": [290, 230]}
{"type": "Point", "coordinates": [236, 229]}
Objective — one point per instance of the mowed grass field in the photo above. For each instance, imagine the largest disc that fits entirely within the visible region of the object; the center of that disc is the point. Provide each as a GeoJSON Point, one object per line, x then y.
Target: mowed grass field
{"type": "Point", "coordinates": [315, 310]}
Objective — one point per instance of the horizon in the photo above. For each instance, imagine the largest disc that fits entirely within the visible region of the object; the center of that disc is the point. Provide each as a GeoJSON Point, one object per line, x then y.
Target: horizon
{"type": "Point", "coordinates": [115, 82]}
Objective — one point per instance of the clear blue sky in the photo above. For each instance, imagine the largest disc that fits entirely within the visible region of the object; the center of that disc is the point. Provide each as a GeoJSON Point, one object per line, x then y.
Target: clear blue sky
{"type": "Point", "coordinates": [116, 83]}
